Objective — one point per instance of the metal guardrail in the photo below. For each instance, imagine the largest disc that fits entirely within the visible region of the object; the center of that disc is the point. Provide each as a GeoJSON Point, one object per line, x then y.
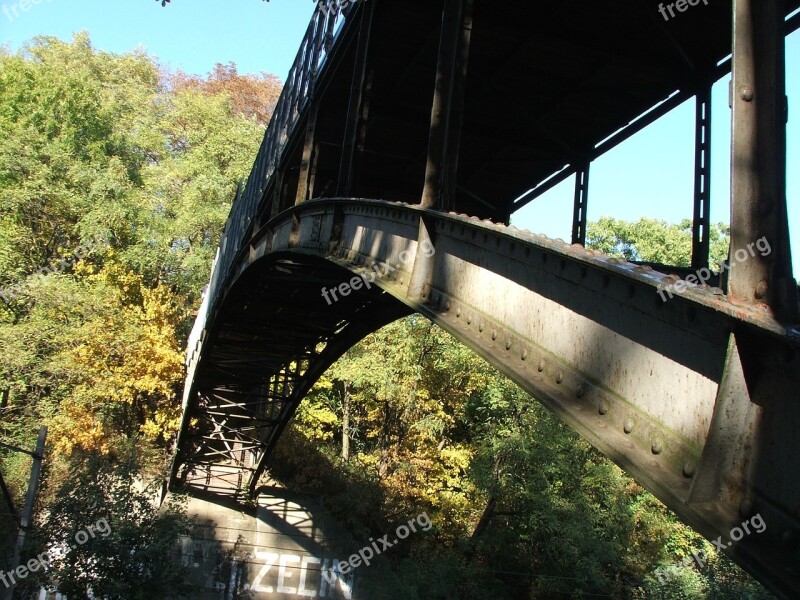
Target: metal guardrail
{"type": "Point", "coordinates": [300, 84]}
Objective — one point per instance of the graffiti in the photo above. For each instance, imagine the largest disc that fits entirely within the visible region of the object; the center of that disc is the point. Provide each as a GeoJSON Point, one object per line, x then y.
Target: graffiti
{"type": "Point", "coordinates": [301, 576]}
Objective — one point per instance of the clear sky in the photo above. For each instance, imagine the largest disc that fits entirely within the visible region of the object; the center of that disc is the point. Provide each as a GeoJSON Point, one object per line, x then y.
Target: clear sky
{"type": "Point", "coordinates": [649, 175]}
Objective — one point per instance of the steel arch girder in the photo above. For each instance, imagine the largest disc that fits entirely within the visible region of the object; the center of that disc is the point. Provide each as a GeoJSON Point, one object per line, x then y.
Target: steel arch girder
{"type": "Point", "coordinates": [696, 397]}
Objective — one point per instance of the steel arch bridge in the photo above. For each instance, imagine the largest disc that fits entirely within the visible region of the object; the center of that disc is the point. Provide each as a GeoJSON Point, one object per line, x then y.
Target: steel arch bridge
{"type": "Point", "coordinates": [407, 134]}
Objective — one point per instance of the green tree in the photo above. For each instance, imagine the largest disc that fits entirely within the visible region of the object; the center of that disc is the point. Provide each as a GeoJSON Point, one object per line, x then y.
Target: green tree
{"type": "Point", "coordinates": [116, 178]}
{"type": "Point", "coordinates": [105, 536]}
{"type": "Point", "coordinates": [652, 240]}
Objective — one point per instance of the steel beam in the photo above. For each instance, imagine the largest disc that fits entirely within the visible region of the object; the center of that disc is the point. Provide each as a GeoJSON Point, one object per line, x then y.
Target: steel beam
{"type": "Point", "coordinates": [701, 221]}
{"type": "Point", "coordinates": [304, 189]}
{"type": "Point", "coordinates": [580, 204]}
{"type": "Point", "coordinates": [359, 98]}
{"type": "Point", "coordinates": [758, 164]}
{"type": "Point", "coordinates": [448, 105]}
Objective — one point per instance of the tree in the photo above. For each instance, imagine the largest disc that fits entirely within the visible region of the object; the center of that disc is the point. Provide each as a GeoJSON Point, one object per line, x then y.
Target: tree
{"type": "Point", "coordinates": [105, 537]}
{"type": "Point", "coordinates": [651, 240]}
{"type": "Point", "coordinates": [253, 97]}
{"type": "Point", "coordinates": [115, 183]}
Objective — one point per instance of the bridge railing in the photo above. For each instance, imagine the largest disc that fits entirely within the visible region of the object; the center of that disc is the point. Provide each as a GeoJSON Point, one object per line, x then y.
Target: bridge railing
{"type": "Point", "coordinates": [317, 43]}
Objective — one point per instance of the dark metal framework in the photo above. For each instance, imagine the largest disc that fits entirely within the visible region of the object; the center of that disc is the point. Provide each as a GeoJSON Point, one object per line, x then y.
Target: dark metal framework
{"type": "Point", "coordinates": [581, 204]}
{"type": "Point", "coordinates": [365, 115]}
{"type": "Point", "coordinates": [701, 221]}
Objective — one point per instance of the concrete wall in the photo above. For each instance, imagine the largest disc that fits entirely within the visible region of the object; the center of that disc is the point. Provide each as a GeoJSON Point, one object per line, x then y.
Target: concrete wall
{"type": "Point", "coordinates": [277, 551]}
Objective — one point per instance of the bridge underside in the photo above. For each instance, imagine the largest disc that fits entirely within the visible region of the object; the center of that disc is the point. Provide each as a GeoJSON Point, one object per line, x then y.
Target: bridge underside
{"type": "Point", "coordinates": [546, 88]}
{"type": "Point", "coordinates": [696, 397]}
{"type": "Point", "coordinates": [274, 338]}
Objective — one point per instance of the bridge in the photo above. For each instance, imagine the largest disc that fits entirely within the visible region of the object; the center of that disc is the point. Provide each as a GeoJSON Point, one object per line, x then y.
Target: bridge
{"type": "Point", "coordinates": [408, 133]}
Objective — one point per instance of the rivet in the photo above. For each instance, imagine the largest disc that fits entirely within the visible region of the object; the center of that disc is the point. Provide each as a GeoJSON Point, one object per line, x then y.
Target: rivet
{"type": "Point", "coordinates": [469, 320]}
{"type": "Point", "coordinates": [494, 334]}
{"type": "Point", "coordinates": [603, 408]}
{"type": "Point", "coordinates": [688, 470]}
{"type": "Point", "coordinates": [525, 354]}
{"type": "Point", "coordinates": [560, 377]}
{"type": "Point", "coordinates": [447, 306]}
{"type": "Point", "coordinates": [657, 447]}
{"type": "Point", "coordinates": [480, 327]}
{"type": "Point", "coordinates": [541, 366]}
{"type": "Point", "coordinates": [402, 280]}
{"type": "Point", "coordinates": [761, 289]}
{"type": "Point", "coordinates": [508, 344]}
{"type": "Point", "coordinates": [747, 94]}
{"type": "Point", "coordinates": [458, 312]}
{"type": "Point", "coordinates": [627, 426]}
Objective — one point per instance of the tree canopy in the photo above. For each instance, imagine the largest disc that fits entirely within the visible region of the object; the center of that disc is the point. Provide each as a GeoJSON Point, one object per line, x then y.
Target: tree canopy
{"type": "Point", "coordinates": [116, 177]}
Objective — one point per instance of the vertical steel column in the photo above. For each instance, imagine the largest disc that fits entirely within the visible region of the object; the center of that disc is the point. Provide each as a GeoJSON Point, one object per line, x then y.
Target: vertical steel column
{"type": "Point", "coordinates": [27, 511]}
{"type": "Point", "coordinates": [277, 194]}
{"type": "Point", "coordinates": [448, 104]}
{"type": "Point", "coordinates": [581, 199]}
{"type": "Point", "coordinates": [758, 169]}
{"type": "Point", "coordinates": [304, 190]}
{"type": "Point", "coordinates": [358, 92]}
{"type": "Point", "coordinates": [701, 222]}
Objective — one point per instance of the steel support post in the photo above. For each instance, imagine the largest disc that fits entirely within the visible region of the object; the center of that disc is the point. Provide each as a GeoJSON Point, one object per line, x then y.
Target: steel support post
{"type": "Point", "coordinates": [448, 105]}
{"type": "Point", "coordinates": [581, 199]}
{"type": "Point", "coordinates": [758, 168]}
{"type": "Point", "coordinates": [304, 189]}
{"type": "Point", "coordinates": [27, 511]}
{"type": "Point", "coordinates": [357, 106]}
{"type": "Point", "coordinates": [701, 221]}
{"type": "Point", "coordinates": [277, 194]}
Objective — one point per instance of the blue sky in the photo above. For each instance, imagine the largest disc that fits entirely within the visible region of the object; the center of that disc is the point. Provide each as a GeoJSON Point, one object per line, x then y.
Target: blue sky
{"type": "Point", "coordinates": [649, 175]}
